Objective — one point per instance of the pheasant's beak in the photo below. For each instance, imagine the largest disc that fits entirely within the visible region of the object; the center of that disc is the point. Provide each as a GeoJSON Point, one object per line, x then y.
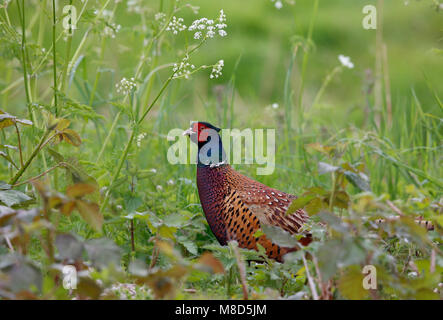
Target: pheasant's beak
{"type": "Point", "coordinates": [188, 132]}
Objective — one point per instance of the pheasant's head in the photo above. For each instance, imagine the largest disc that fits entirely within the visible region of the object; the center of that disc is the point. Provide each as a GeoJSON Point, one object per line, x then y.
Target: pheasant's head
{"type": "Point", "coordinates": [210, 147]}
{"type": "Point", "coordinates": [201, 132]}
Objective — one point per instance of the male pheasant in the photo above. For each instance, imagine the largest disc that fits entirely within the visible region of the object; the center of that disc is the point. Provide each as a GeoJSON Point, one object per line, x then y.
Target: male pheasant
{"type": "Point", "coordinates": [236, 206]}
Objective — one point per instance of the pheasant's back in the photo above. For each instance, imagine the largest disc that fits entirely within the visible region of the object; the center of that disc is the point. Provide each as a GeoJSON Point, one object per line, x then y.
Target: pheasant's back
{"type": "Point", "coordinates": [236, 207]}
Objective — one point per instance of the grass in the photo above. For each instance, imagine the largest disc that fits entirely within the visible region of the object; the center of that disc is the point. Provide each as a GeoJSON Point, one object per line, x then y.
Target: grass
{"type": "Point", "coordinates": [381, 119]}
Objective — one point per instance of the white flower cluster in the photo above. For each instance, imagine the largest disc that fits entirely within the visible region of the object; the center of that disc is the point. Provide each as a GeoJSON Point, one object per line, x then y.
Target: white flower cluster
{"type": "Point", "coordinates": [126, 86]}
{"type": "Point", "coordinates": [278, 4]}
{"type": "Point", "coordinates": [217, 69]}
{"type": "Point", "coordinates": [160, 16]}
{"type": "Point", "coordinates": [346, 61]}
{"type": "Point", "coordinates": [176, 25]}
{"type": "Point", "coordinates": [111, 30]}
{"type": "Point", "coordinates": [140, 137]}
{"type": "Point", "coordinates": [134, 6]}
{"type": "Point", "coordinates": [208, 28]}
{"type": "Point", "coordinates": [183, 69]}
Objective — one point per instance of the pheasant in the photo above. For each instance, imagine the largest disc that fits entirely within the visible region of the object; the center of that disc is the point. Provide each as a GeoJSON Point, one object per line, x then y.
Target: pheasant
{"type": "Point", "coordinates": [235, 205]}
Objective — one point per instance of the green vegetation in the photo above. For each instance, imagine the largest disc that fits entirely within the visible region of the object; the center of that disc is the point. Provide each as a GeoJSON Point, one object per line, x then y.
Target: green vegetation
{"type": "Point", "coordinates": [84, 176]}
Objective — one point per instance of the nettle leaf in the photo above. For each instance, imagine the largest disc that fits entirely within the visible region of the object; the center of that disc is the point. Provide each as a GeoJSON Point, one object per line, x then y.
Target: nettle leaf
{"type": "Point", "coordinates": [79, 190]}
{"type": "Point", "coordinates": [13, 197]}
{"type": "Point", "coordinates": [4, 186]}
{"type": "Point", "coordinates": [6, 120]}
{"type": "Point", "coordinates": [333, 221]}
{"type": "Point", "coordinates": [359, 180]}
{"type": "Point", "coordinates": [315, 206]}
{"type": "Point", "coordinates": [89, 288]}
{"type": "Point", "coordinates": [90, 212]}
{"type": "Point", "coordinates": [71, 137]}
{"type": "Point", "coordinates": [175, 220]}
{"type": "Point", "coordinates": [103, 252]}
{"type": "Point", "coordinates": [23, 276]}
{"type": "Point", "coordinates": [69, 247]}
{"type": "Point", "coordinates": [167, 232]}
{"type": "Point", "coordinates": [279, 236]}
{"type": "Point", "coordinates": [132, 203]}
{"type": "Point", "coordinates": [190, 246]}
{"type": "Point", "coordinates": [341, 200]}
{"type": "Point", "coordinates": [61, 124]}
{"type": "Point", "coordinates": [326, 168]}
{"type": "Point", "coordinates": [299, 203]}
{"type": "Point", "coordinates": [351, 284]}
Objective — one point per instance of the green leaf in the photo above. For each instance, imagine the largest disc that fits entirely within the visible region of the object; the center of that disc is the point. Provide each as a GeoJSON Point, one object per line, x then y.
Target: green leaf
{"type": "Point", "coordinates": [6, 120]}
{"type": "Point", "coordinates": [132, 203]}
{"type": "Point", "coordinates": [360, 180]}
{"type": "Point", "coordinates": [175, 220]}
{"type": "Point", "coordinates": [13, 197]}
{"type": "Point", "coordinates": [103, 252]}
{"type": "Point", "coordinates": [4, 186]}
{"type": "Point", "coordinates": [69, 247]}
{"type": "Point", "coordinates": [351, 284]}
{"type": "Point", "coordinates": [89, 288]}
{"type": "Point", "coordinates": [24, 122]}
{"type": "Point", "coordinates": [326, 168]}
{"type": "Point", "coordinates": [22, 273]}
{"type": "Point", "coordinates": [315, 206]}
{"type": "Point", "coordinates": [299, 203]}
{"type": "Point", "coordinates": [189, 245]}
{"type": "Point", "coordinates": [72, 137]}
{"type": "Point", "coordinates": [90, 212]}
{"type": "Point", "coordinates": [279, 236]}
{"type": "Point", "coordinates": [79, 190]}
{"type": "Point", "coordinates": [333, 221]}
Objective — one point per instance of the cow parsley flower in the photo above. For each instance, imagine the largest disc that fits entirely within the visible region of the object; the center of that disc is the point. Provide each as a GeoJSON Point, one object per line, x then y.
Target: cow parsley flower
{"type": "Point", "coordinates": [140, 137]}
{"type": "Point", "coordinates": [160, 16]}
{"type": "Point", "coordinates": [208, 28]}
{"type": "Point", "coordinates": [183, 69]}
{"type": "Point", "coordinates": [346, 61]}
{"type": "Point", "coordinates": [217, 69]}
{"type": "Point", "coordinates": [126, 86]}
{"type": "Point", "coordinates": [134, 6]}
{"type": "Point", "coordinates": [176, 25]}
{"type": "Point", "coordinates": [111, 30]}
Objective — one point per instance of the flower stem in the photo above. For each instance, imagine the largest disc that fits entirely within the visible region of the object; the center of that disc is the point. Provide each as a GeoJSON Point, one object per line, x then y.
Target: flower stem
{"type": "Point", "coordinates": [54, 58]}
{"type": "Point", "coordinates": [325, 83]}
{"type": "Point", "coordinates": [128, 145]}
{"type": "Point", "coordinates": [27, 163]}
{"type": "Point", "coordinates": [21, 12]}
{"type": "Point", "coordinates": [19, 144]}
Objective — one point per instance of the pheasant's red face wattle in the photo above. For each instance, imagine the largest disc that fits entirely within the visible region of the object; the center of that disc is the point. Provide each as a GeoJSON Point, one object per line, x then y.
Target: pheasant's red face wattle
{"type": "Point", "coordinates": [201, 130]}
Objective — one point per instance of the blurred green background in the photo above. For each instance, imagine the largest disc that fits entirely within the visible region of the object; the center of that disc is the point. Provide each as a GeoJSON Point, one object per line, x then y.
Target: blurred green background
{"type": "Point", "coordinates": [260, 40]}
{"type": "Point", "coordinates": [257, 56]}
